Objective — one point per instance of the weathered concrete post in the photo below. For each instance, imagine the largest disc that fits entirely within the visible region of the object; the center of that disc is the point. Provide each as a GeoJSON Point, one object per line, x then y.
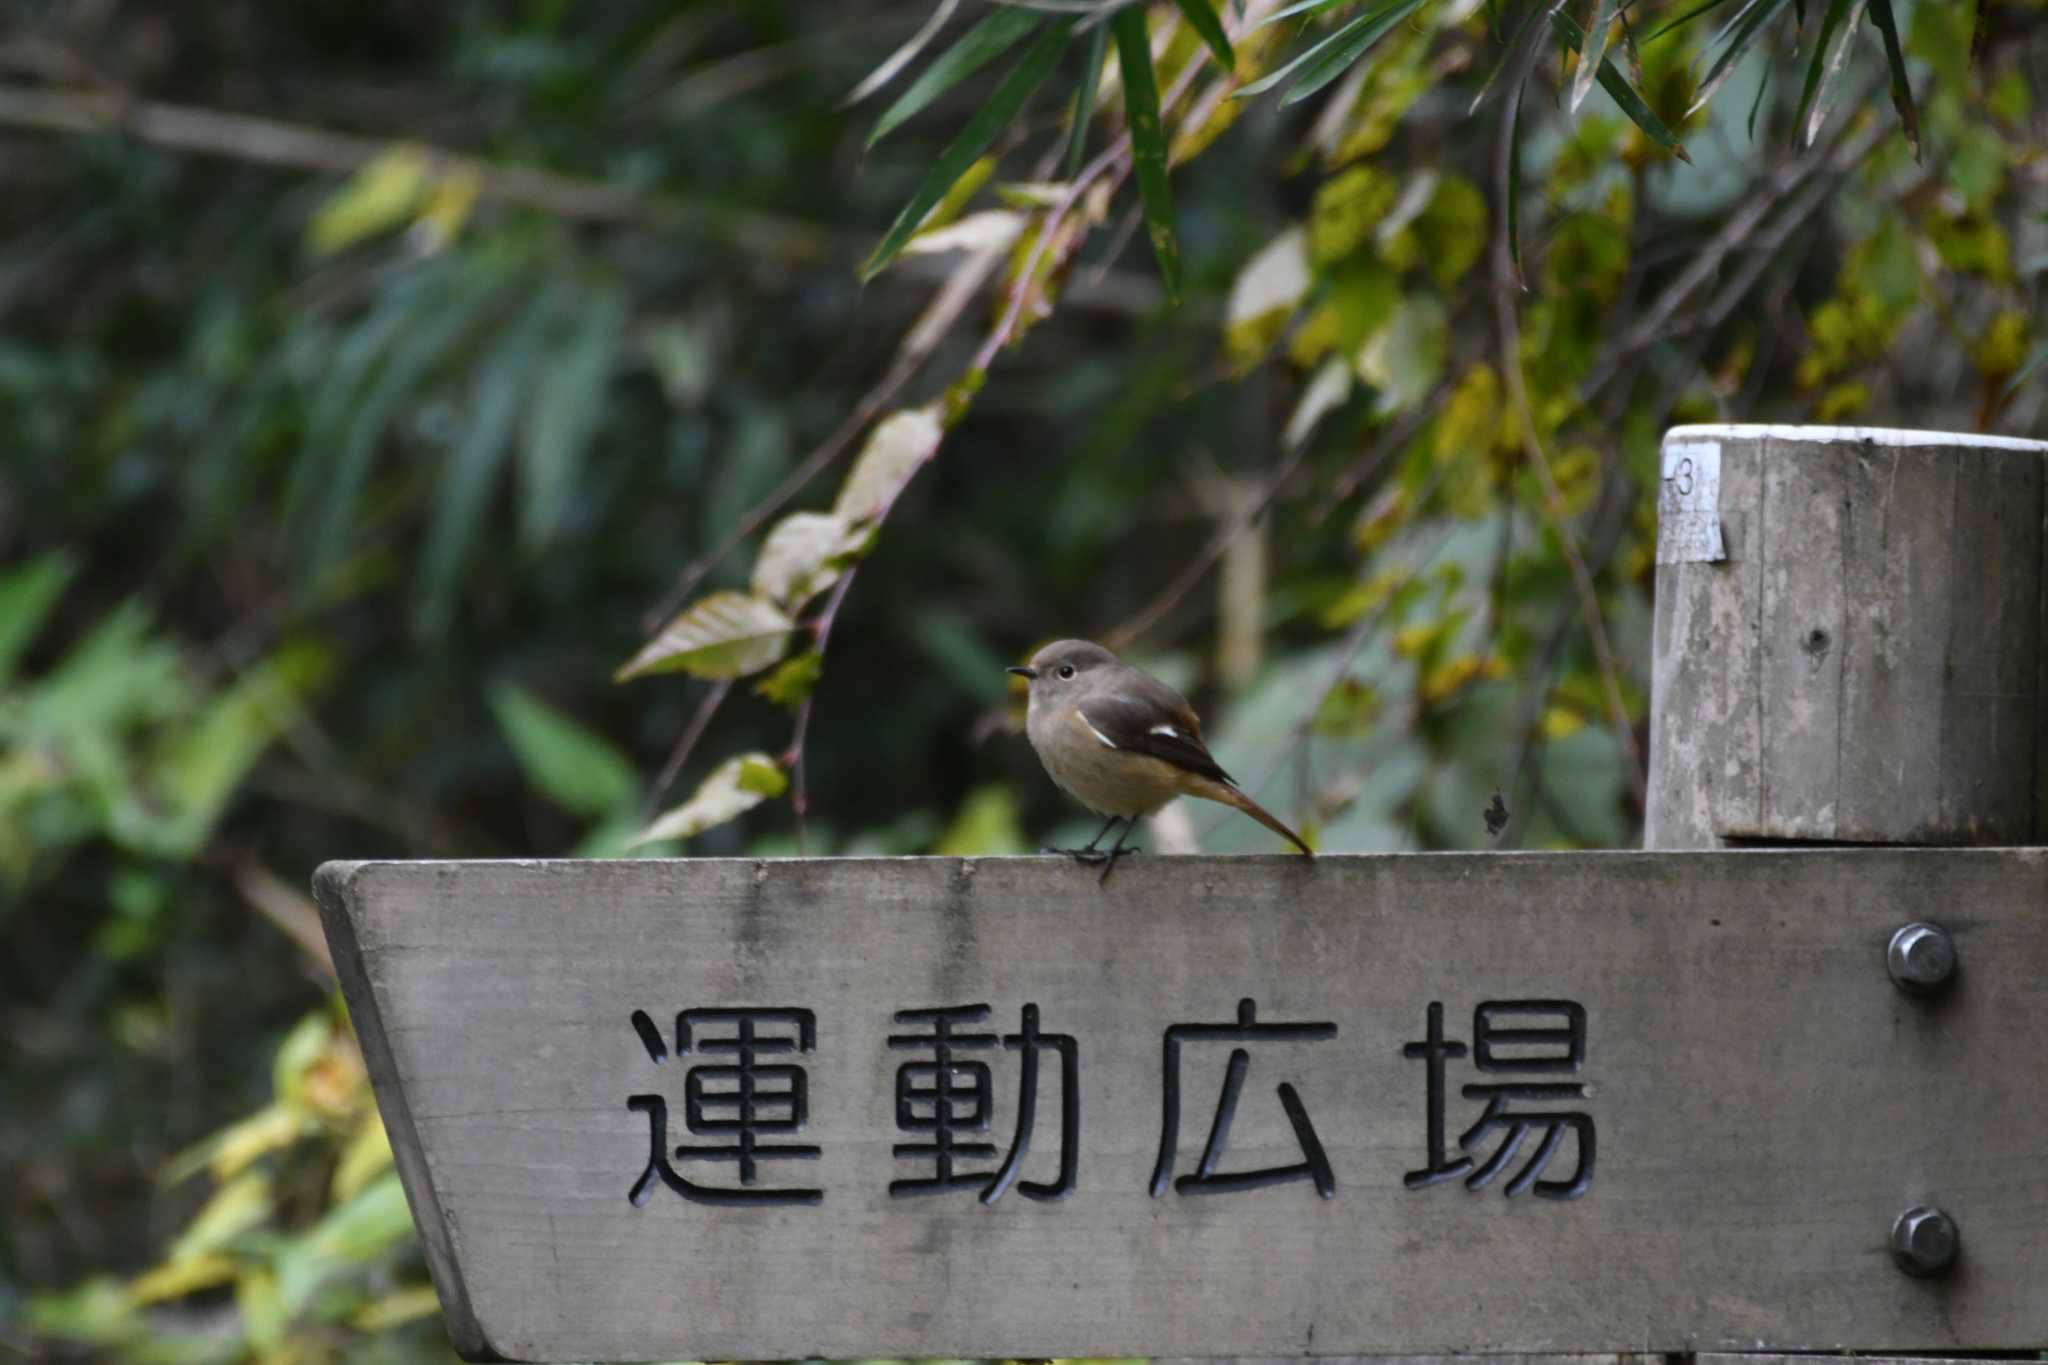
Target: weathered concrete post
{"type": "Point", "coordinates": [1850, 634]}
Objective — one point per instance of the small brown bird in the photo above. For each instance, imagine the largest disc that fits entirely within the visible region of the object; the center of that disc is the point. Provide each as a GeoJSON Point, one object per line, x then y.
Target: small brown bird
{"type": "Point", "coordinates": [1122, 743]}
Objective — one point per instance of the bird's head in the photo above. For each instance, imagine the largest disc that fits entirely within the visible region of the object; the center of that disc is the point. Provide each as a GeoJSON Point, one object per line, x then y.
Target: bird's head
{"type": "Point", "coordinates": [1063, 666]}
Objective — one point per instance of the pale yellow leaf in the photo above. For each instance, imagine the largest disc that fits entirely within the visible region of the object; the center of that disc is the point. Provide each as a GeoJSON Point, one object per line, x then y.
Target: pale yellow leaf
{"type": "Point", "coordinates": [1325, 393]}
{"type": "Point", "coordinates": [367, 1156]}
{"type": "Point", "coordinates": [396, 1308]}
{"type": "Point", "coordinates": [734, 787]}
{"type": "Point", "coordinates": [995, 229]}
{"type": "Point", "coordinates": [236, 1207]}
{"type": "Point", "coordinates": [377, 198]}
{"type": "Point", "coordinates": [185, 1275]}
{"type": "Point", "coordinates": [721, 635]}
{"type": "Point", "coordinates": [899, 444]}
{"type": "Point", "coordinates": [447, 209]}
{"type": "Point", "coordinates": [1275, 279]}
{"type": "Point", "coordinates": [263, 1132]}
{"type": "Point", "coordinates": [804, 555]}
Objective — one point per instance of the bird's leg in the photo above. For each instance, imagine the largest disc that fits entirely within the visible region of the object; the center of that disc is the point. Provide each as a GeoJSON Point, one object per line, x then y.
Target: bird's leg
{"type": "Point", "coordinates": [1089, 855]}
{"type": "Point", "coordinates": [1118, 851]}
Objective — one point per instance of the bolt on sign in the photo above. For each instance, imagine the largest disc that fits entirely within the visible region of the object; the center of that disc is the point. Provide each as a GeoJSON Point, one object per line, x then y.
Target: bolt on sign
{"type": "Point", "coordinates": [1759, 1100]}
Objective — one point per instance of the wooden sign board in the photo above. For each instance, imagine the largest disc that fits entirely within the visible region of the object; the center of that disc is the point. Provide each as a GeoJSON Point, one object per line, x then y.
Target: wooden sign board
{"type": "Point", "coordinates": [1223, 1106]}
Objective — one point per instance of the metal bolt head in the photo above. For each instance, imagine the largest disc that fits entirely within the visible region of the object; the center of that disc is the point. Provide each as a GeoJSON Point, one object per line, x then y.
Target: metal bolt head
{"type": "Point", "coordinates": [1921, 958]}
{"type": "Point", "coordinates": [1924, 1241]}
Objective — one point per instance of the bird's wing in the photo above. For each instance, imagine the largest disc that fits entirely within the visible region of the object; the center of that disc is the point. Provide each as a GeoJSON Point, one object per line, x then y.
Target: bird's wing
{"type": "Point", "coordinates": [1161, 725]}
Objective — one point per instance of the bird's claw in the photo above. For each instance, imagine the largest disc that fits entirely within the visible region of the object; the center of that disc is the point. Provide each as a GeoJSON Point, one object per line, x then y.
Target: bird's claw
{"type": "Point", "coordinates": [1087, 857]}
{"type": "Point", "coordinates": [1109, 861]}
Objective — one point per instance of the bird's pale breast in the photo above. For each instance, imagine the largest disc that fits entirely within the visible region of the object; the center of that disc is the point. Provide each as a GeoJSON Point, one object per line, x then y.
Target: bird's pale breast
{"type": "Point", "coordinates": [1107, 780]}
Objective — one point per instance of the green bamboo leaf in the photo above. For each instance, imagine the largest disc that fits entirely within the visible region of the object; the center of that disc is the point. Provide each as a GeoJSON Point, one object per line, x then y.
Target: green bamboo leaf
{"type": "Point", "coordinates": [1624, 94]}
{"type": "Point", "coordinates": [471, 470]}
{"type": "Point", "coordinates": [1346, 46]}
{"type": "Point", "coordinates": [973, 140]}
{"type": "Point", "coordinates": [567, 404]}
{"type": "Point", "coordinates": [1084, 97]}
{"type": "Point", "coordinates": [1902, 90]}
{"type": "Point", "coordinates": [1761, 86]}
{"type": "Point", "coordinates": [1300, 7]}
{"type": "Point", "coordinates": [1594, 51]}
{"type": "Point", "coordinates": [1741, 31]}
{"type": "Point", "coordinates": [349, 364]}
{"type": "Point", "coordinates": [979, 46]}
{"type": "Point", "coordinates": [1695, 12]}
{"type": "Point", "coordinates": [1283, 73]}
{"type": "Point", "coordinates": [1514, 194]}
{"type": "Point", "coordinates": [1201, 17]}
{"type": "Point", "coordinates": [1148, 140]}
{"type": "Point", "coordinates": [26, 595]}
{"type": "Point", "coordinates": [1508, 55]}
{"type": "Point", "coordinates": [411, 359]}
{"type": "Point", "coordinates": [576, 768]}
{"type": "Point", "coordinates": [1837, 32]}
{"type": "Point", "coordinates": [903, 56]}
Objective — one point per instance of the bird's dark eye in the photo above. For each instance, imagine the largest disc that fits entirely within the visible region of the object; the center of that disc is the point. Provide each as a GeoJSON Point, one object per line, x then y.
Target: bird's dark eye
{"type": "Point", "coordinates": [1066, 670]}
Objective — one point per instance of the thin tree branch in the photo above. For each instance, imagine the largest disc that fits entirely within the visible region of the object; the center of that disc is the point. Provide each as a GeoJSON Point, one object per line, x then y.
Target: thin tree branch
{"type": "Point", "coordinates": [946, 306]}
{"type": "Point", "coordinates": [1506, 286]}
{"type": "Point", "coordinates": [701, 721]}
{"type": "Point", "coordinates": [297, 146]}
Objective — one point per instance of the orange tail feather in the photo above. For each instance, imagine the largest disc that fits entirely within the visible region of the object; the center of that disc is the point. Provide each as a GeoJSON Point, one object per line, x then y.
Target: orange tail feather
{"type": "Point", "coordinates": [1225, 794]}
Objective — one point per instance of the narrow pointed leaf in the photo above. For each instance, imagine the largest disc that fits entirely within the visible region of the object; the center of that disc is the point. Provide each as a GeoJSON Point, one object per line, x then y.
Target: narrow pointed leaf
{"type": "Point", "coordinates": [1741, 31]}
{"type": "Point", "coordinates": [1514, 195]}
{"type": "Point", "coordinates": [1695, 12]}
{"type": "Point", "coordinates": [566, 408]}
{"type": "Point", "coordinates": [1025, 77]}
{"type": "Point", "coordinates": [1624, 94]}
{"type": "Point", "coordinates": [1902, 90]}
{"type": "Point", "coordinates": [1148, 140]}
{"type": "Point", "coordinates": [2033, 363]}
{"type": "Point", "coordinates": [977, 47]}
{"type": "Point", "coordinates": [1837, 35]}
{"type": "Point", "coordinates": [1299, 7]}
{"type": "Point", "coordinates": [1593, 52]}
{"type": "Point", "coordinates": [26, 595]}
{"type": "Point", "coordinates": [1507, 57]}
{"type": "Point", "coordinates": [1084, 97]}
{"type": "Point", "coordinates": [1758, 103]}
{"type": "Point", "coordinates": [1348, 45]}
{"type": "Point", "coordinates": [471, 470]}
{"type": "Point", "coordinates": [412, 358]}
{"type": "Point", "coordinates": [723, 635]}
{"type": "Point", "coordinates": [1282, 74]}
{"type": "Point", "coordinates": [904, 55]}
{"type": "Point", "coordinates": [575, 767]}
{"type": "Point", "coordinates": [1201, 17]}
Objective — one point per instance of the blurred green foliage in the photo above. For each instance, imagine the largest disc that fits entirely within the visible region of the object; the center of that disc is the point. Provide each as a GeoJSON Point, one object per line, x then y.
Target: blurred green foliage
{"type": "Point", "coordinates": [351, 452]}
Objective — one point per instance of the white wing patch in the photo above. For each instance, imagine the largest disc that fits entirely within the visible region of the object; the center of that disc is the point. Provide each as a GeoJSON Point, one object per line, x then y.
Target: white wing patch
{"type": "Point", "coordinates": [1107, 742]}
{"type": "Point", "coordinates": [1169, 731]}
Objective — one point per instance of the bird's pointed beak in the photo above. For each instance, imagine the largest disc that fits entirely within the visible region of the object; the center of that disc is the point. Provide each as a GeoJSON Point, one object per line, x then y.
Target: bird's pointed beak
{"type": "Point", "coordinates": [1023, 672]}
